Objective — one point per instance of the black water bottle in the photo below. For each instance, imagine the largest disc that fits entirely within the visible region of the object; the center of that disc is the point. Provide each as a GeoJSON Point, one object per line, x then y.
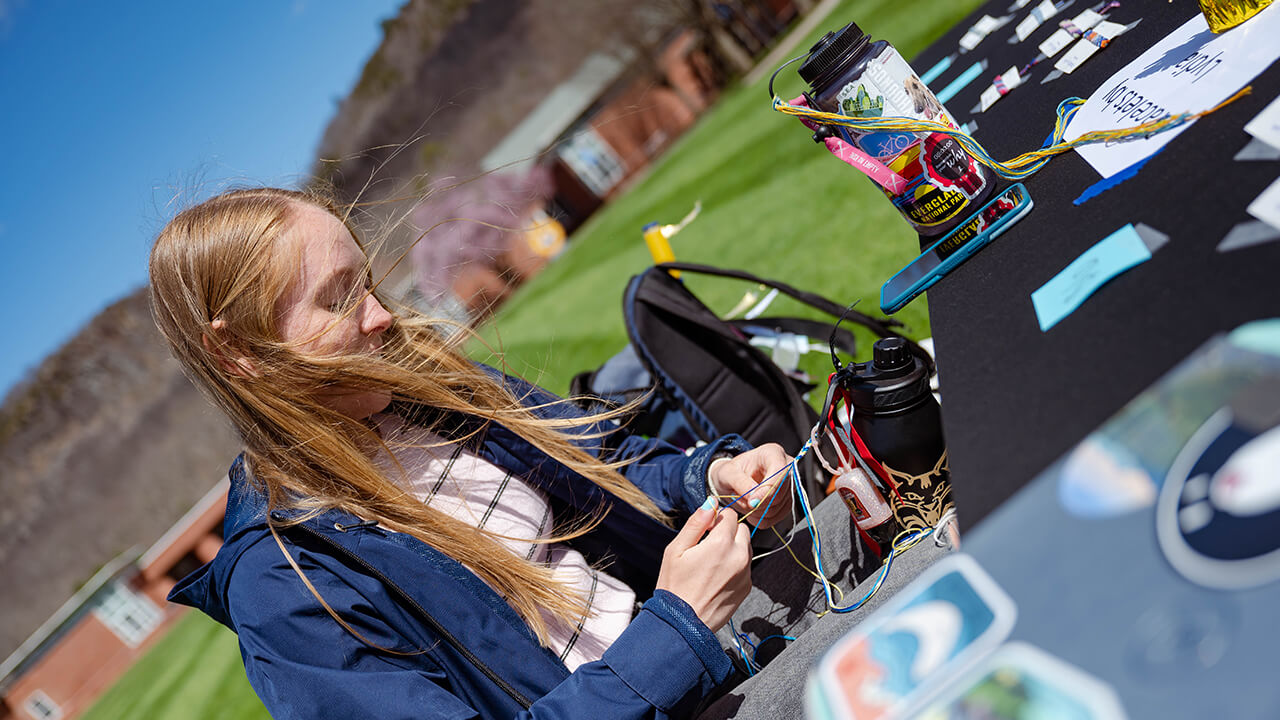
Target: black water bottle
{"type": "Point", "coordinates": [900, 421]}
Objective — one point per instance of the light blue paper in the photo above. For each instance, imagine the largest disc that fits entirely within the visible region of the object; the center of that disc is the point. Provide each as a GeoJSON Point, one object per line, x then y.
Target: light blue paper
{"type": "Point", "coordinates": [969, 75]}
{"type": "Point", "coordinates": [1116, 253]}
{"type": "Point", "coordinates": [932, 73]}
{"type": "Point", "coordinates": [1260, 336]}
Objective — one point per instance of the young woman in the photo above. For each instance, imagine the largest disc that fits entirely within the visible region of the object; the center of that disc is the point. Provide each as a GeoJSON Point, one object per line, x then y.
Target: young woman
{"type": "Point", "coordinates": [412, 535]}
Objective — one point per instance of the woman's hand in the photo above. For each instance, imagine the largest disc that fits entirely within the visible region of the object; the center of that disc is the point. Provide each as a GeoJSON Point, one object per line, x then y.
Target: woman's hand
{"type": "Point", "coordinates": [745, 475]}
{"type": "Point", "coordinates": [708, 564]}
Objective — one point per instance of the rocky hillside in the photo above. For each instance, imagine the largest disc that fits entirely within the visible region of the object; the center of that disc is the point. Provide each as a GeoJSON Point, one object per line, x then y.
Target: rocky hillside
{"type": "Point", "coordinates": [102, 448]}
{"type": "Point", "coordinates": [451, 79]}
{"type": "Point", "coordinates": [431, 103]}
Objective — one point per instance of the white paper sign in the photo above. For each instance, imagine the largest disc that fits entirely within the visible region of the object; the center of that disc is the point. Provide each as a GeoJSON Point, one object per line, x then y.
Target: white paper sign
{"type": "Point", "coordinates": [1055, 42]}
{"type": "Point", "coordinates": [1039, 14]}
{"type": "Point", "coordinates": [1075, 57]}
{"type": "Point", "coordinates": [980, 30]}
{"type": "Point", "coordinates": [1010, 79]}
{"type": "Point", "coordinates": [1084, 20]}
{"type": "Point", "coordinates": [1266, 207]}
{"type": "Point", "coordinates": [1188, 71]}
{"type": "Point", "coordinates": [1266, 125]}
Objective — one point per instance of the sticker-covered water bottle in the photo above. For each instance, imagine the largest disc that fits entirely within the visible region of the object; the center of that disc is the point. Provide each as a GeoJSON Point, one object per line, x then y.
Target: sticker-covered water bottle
{"type": "Point", "coordinates": [852, 75]}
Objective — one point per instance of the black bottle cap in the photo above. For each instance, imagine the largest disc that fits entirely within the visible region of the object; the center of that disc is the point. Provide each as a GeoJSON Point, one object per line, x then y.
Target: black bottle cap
{"type": "Point", "coordinates": [891, 354]}
{"type": "Point", "coordinates": [832, 54]}
{"type": "Point", "coordinates": [893, 380]}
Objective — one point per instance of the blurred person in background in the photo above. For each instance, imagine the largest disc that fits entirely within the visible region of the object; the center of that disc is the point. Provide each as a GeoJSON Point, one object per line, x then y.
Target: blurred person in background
{"type": "Point", "coordinates": [481, 239]}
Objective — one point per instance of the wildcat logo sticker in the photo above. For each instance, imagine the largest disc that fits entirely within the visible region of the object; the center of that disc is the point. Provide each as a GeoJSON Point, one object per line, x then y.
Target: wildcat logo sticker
{"type": "Point", "coordinates": [1218, 515]}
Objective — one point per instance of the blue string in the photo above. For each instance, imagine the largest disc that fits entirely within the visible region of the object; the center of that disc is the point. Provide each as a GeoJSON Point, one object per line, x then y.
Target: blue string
{"type": "Point", "coordinates": [790, 467]}
{"type": "Point", "coordinates": [756, 648]}
{"type": "Point", "coordinates": [737, 641]}
{"type": "Point", "coordinates": [815, 536]}
{"type": "Point", "coordinates": [962, 81]}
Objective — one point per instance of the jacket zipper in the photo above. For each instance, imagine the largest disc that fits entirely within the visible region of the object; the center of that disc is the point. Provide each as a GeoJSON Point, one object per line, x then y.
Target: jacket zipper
{"type": "Point", "coordinates": [431, 621]}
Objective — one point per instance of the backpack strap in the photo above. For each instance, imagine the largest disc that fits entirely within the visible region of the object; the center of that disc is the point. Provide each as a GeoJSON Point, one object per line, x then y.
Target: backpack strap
{"type": "Point", "coordinates": [884, 327]}
{"type": "Point", "coordinates": [706, 369]}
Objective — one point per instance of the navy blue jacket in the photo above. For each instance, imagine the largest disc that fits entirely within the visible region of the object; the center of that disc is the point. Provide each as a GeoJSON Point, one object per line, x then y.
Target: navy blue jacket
{"type": "Point", "coordinates": [457, 649]}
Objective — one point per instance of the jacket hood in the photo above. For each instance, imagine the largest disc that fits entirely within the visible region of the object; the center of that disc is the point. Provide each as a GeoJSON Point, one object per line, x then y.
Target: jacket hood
{"type": "Point", "coordinates": [205, 589]}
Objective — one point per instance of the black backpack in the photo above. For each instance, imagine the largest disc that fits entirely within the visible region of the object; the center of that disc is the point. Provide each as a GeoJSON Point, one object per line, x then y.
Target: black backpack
{"type": "Point", "coordinates": [704, 377]}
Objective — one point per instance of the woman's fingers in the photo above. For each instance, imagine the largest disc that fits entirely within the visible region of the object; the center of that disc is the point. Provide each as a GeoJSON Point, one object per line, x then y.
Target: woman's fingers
{"type": "Point", "coordinates": [708, 565]}
{"type": "Point", "coordinates": [694, 527]}
{"type": "Point", "coordinates": [756, 480]}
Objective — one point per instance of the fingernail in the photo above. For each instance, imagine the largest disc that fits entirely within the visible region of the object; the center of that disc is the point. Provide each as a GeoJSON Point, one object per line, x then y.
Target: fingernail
{"type": "Point", "coordinates": [709, 504]}
{"type": "Point", "coordinates": [755, 502]}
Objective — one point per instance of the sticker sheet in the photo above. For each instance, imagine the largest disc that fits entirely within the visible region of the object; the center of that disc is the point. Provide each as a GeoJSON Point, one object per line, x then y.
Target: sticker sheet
{"type": "Point", "coordinates": [1022, 682]}
{"type": "Point", "coordinates": [933, 630]}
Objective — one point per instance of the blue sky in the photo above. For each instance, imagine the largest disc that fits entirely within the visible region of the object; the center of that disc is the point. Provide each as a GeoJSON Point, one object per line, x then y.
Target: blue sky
{"type": "Point", "coordinates": [108, 110]}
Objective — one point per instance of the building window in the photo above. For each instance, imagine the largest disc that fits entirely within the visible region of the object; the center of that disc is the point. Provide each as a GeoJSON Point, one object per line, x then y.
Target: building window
{"type": "Point", "coordinates": [41, 707]}
{"type": "Point", "coordinates": [188, 564]}
{"type": "Point", "coordinates": [593, 161]}
{"type": "Point", "coordinates": [129, 615]}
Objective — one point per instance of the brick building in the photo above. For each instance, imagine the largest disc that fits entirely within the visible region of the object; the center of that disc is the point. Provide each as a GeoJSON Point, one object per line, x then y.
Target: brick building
{"type": "Point", "coordinates": [606, 122]}
{"type": "Point", "coordinates": [109, 623]}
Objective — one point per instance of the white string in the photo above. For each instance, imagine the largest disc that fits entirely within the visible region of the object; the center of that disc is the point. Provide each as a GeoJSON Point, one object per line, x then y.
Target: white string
{"type": "Point", "coordinates": [947, 531]}
{"type": "Point", "coordinates": [813, 438]}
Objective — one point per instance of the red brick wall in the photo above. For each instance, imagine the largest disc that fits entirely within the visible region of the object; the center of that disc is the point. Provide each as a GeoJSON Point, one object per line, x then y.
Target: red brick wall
{"type": "Point", "coordinates": [87, 660]}
{"type": "Point", "coordinates": [649, 114]}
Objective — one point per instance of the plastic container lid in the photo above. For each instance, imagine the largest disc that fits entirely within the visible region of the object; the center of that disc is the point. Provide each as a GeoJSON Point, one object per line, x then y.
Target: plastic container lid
{"type": "Point", "coordinates": [894, 379]}
{"type": "Point", "coordinates": [832, 54]}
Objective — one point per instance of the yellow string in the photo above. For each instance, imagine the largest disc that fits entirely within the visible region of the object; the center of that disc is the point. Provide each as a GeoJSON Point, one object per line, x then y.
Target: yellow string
{"type": "Point", "coordinates": [1022, 165]}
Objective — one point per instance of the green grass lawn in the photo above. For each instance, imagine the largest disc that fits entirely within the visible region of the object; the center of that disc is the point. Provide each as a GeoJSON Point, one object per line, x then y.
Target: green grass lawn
{"type": "Point", "coordinates": [774, 203]}
{"type": "Point", "coordinates": [193, 673]}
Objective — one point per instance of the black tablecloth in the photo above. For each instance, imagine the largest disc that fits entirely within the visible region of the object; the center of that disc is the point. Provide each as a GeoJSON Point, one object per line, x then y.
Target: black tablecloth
{"type": "Point", "coordinates": [1016, 398]}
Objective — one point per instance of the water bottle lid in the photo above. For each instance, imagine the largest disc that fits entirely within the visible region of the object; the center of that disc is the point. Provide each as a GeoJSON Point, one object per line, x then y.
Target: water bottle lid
{"type": "Point", "coordinates": [832, 54]}
{"type": "Point", "coordinates": [891, 354]}
{"type": "Point", "coordinates": [894, 379]}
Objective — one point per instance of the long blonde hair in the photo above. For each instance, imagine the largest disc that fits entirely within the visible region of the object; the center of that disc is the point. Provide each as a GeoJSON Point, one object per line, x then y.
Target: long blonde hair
{"type": "Point", "coordinates": [222, 260]}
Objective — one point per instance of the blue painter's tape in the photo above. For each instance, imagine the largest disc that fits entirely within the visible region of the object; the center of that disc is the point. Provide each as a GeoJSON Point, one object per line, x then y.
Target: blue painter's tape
{"type": "Point", "coordinates": [969, 75]}
{"type": "Point", "coordinates": [938, 68]}
{"type": "Point", "coordinates": [1116, 253]}
{"type": "Point", "coordinates": [1107, 183]}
